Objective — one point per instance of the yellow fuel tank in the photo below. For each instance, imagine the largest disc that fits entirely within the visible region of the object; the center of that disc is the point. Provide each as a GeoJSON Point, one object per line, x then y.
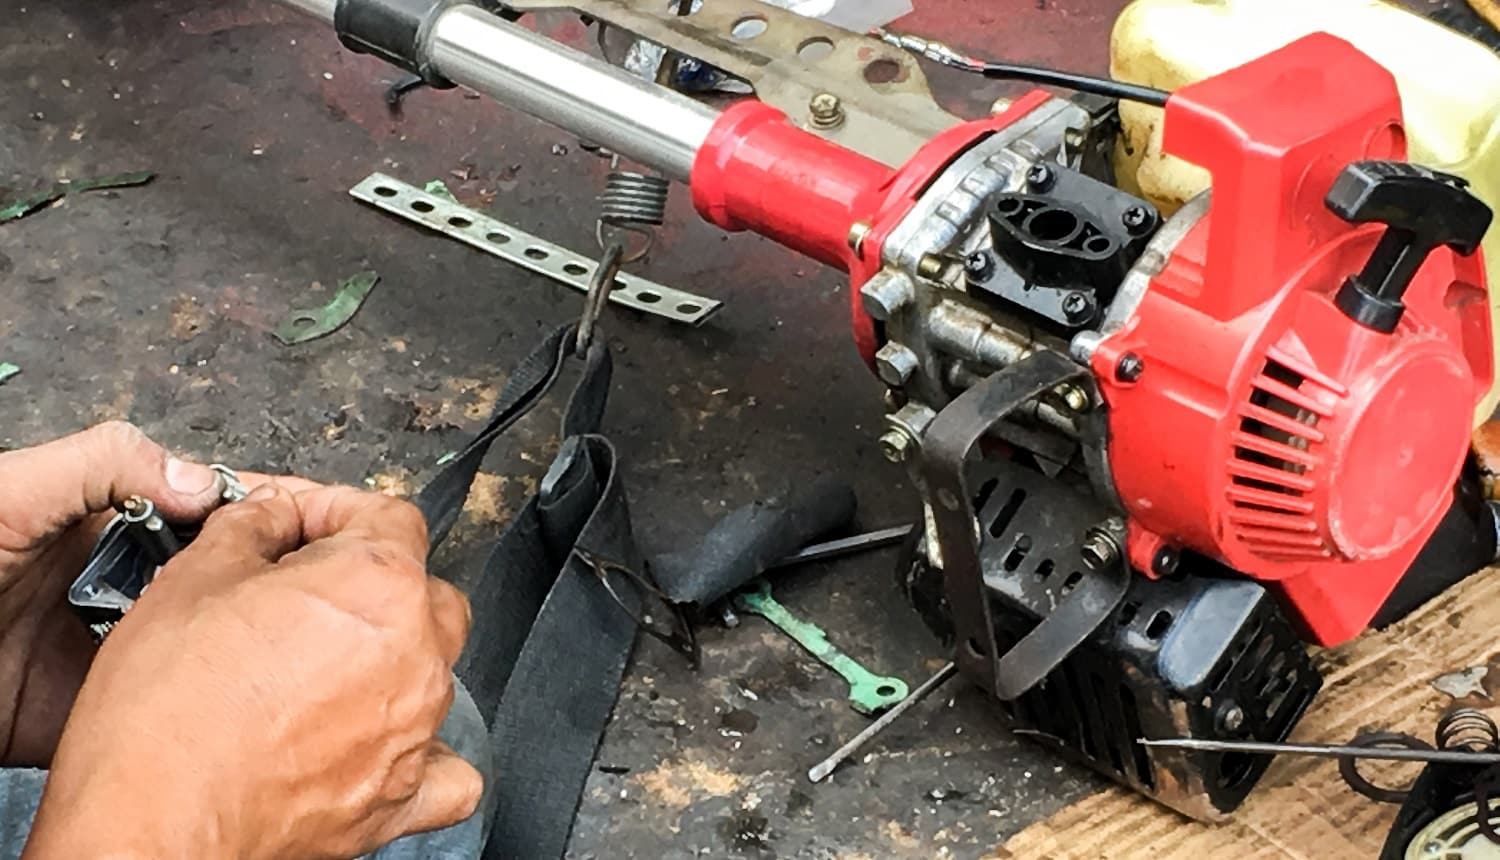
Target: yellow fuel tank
{"type": "Point", "coordinates": [1450, 90]}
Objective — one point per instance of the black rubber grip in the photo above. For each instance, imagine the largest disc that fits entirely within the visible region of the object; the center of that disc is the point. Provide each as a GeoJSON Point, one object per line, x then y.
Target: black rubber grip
{"type": "Point", "coordinates": [393, 30]}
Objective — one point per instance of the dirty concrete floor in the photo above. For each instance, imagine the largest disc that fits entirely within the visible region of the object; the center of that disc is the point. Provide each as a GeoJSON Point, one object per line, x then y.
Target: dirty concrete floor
{"type": "Point", "coordinates": [154, 304]}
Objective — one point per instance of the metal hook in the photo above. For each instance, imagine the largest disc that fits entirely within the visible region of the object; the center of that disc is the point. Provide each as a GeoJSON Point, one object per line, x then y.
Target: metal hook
{"type": "Point", "coordinates": [682, 638]}
{"type": "Point", "coordinates": [600, 286]}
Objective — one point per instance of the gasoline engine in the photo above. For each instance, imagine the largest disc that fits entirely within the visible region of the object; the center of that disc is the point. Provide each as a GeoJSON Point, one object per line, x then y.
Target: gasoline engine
{"type": "Point", "coordinates": [1156, 455]}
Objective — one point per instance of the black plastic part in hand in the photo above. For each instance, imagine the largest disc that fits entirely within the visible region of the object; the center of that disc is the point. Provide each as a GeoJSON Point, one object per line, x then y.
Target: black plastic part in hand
{"type": "Point", "coordinates": [1423, 210]}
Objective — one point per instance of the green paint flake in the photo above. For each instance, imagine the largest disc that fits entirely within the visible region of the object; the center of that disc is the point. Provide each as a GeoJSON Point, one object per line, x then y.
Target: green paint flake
{"type": "Point", "coordinates": [308, 324]}
{"type": "Point", "coordinates": [7, 370]}
{"type": "Point", "coordinates": [438, 189]}
{"type": "Point", "coordinates": [23, 206]}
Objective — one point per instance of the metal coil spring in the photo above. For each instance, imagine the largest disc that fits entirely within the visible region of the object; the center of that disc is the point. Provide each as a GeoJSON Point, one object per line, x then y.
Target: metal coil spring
{"type": "Point", "coordinates": [1468, 729]}
{"type": "Point", "coordinates": [633, 200]}
{"type": "Point", "coordinates": [633, 203]}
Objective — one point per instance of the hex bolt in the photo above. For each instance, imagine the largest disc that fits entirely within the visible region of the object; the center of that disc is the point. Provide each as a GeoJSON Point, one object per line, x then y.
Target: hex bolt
{"type": "Point", "coordinates": [1075, 307]}
{"type": "Point", "coordinates": [1099, 549]}
{"type": "Point", "coordinates": [896, 445]}
{"type": "Point", "coordinates": [827, 111]}
{"type": "Point", "coordinates": [886, 294]}
{"type": "Point", "coordinates": [978, 266]}
{"type": "Point", "coordinates": [1040, 177]}
{"type": "Point", "coordinates": [1166, 560]}
{"type": "Point", "coordinates": [1231, 717]}
{"type": "Point", "coordinates": [1136, 218]}
{"type": "Point", "coordinates": [895, 363]}
{"type": "Point", "coordinates": [1130, 368]}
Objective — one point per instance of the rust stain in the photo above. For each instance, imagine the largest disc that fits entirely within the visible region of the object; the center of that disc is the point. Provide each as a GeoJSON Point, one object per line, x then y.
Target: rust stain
{"type": "Point", "coordinates": [185, 319]}
{"type": "Point", "coordinates": [459, 403]}
{"type": "Point", "coordinates": [397, 482]}
{"type": "Point", "coordinates": [486, 502]}
{"type": "Point", "coordinates": [677, 785]}
{"type": "Point", "coordinates": [898, 836]}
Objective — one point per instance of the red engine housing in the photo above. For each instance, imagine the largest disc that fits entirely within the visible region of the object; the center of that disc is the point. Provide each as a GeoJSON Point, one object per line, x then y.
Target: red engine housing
{"type": "Point", "coordinates": [1268, 430]}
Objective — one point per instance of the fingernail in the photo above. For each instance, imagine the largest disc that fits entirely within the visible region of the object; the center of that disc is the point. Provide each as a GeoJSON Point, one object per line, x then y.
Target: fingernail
{"type": "Point", "coordinates": [190, 479]}
{"type": "Point", "coordinates": [265, 491]}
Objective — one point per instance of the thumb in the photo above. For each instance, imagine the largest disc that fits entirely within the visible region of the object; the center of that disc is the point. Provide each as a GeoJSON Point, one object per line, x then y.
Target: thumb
{"type": "Point", "coordinates": [89, 472]}
{"type": "Point", "coordinates": [450, 792]}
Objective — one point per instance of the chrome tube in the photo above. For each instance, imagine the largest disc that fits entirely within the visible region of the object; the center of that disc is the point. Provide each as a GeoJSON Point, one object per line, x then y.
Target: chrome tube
{"type": "Point", "coordinates": [320, 9]}
{"type": "Point", "coordinates": [598, 102]}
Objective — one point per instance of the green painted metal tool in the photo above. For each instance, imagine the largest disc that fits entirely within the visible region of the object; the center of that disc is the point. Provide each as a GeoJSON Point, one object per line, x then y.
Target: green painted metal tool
{"type": "Point", "coordinates": [308, 324]}
{"type": "Point", "coordinates": [7, 370]}
{"type": "Point", "coordinates": [869, 693]}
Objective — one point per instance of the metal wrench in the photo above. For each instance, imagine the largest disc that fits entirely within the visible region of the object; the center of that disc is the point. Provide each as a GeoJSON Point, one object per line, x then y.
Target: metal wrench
{"type": "Point", "coordinates": [869, 693]}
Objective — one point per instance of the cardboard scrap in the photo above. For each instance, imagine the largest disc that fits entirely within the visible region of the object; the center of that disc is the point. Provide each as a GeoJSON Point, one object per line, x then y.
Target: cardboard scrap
{"type": "Point", "coordinates": [1302, 810]}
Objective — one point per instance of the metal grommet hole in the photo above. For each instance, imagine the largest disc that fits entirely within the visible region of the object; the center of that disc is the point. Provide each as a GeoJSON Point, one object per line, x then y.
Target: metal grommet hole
{"type": "Point", "coordinates": [648, 297]}
{"type": "Point", "coordinates": [575, 268]}
{"type": "Point", "coordinates": [460, 222]}
{"type": "Point", "coordinates": [815, 49]}
{"type": "Point", "coordinates": [688, 308]}
{"type": "Point", "coordinates": [749, 27]}
{"type": "Point", "coordinates": [883, 71]}
{"type": "Point", "coordinates": [536, 253]}
{"type": "Point", "coordinates": [421, 206]}
{"type": "Point", "coordinates": [497, 238]}
{"type": "Point", "coordinates": [384, 191]}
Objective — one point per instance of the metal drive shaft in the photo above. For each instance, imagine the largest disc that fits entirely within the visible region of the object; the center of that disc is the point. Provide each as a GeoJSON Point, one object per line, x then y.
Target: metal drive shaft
{"type": "Point", "coordinates": [598, 102]}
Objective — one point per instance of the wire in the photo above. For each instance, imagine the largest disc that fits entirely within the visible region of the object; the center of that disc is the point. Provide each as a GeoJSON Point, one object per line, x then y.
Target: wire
{"type": "Point", "coordinates": [1073, 81]}
{"type": "Point", "coordinates": [943, 54]}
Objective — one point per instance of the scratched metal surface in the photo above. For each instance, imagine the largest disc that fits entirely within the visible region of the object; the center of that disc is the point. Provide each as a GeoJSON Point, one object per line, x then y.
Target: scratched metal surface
{"type": "Point", "coordinates": [156, 304]}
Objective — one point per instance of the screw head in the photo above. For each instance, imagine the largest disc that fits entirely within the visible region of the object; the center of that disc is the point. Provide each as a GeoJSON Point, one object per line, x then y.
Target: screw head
{"type": "Point", "coordinates": [896, 445]}
{"type": "Point", "coordinates": [1075, 307]}
{"type": "Point", "coordinates": [978, 266]}
{"type": "Point", "coordinates": [826, 109]}
{"type": "Point", "coordinates": [1231, 717]}
{"type": "Point", "coordinates": [1130, 368]}
{"type": "Point", "coordinates": [1166, 560]}
{"type": "Point", "coordinates": [1040, 177]}
{"type": "Point", "coordinates": [1136, 218]}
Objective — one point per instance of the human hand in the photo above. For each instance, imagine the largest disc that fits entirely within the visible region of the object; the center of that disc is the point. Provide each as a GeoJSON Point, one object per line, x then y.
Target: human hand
{"type": "Point", "coordinates": [268, 701]}
{"type": "Point", "coordinates": [54, 500]}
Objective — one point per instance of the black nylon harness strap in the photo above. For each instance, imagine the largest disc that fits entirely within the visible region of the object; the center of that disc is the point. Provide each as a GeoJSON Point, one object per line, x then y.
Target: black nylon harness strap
{"type": "Point", "coordinates": [555, 608]}
{"type": "Point", "coordinates": [550, 642]}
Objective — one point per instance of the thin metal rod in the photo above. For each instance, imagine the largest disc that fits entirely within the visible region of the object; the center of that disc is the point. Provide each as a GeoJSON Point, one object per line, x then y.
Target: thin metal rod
{"type": "Point", "coordinates": [846, 546]}
{"type": "Point", "coordinates": [1328, 751]}
{"type": "Point", "coordinates": [821, 770]}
